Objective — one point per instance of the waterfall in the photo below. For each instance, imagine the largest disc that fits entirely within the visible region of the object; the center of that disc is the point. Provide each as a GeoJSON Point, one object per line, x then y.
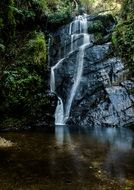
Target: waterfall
{"type": "Point", "coordinates": [76, 82]}
{"type": "Point", "coordinates": [77, 28]}
{"type": "Point", "coordinates": [52, 80]}
{"type": "Point", "coordinates": [82, 20]}
{"type": "Point", "coordinates": [59, 113]}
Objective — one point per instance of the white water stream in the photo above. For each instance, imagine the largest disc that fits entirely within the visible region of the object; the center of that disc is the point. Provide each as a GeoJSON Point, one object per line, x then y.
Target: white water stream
{"type": "Point", "coordinates": [59, 113]}
{"type": "Point", "coordinates": [77, 28]}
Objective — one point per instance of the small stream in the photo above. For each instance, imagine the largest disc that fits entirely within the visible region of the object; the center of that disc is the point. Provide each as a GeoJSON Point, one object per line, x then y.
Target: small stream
{"type": "Point", "coordinates": [68, 158]}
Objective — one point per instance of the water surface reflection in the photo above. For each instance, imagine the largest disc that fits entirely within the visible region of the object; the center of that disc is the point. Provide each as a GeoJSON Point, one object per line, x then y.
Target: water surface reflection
{"type": "Point", "coordinates": [119, 138]}
{"type": "Point", "coordinates": [118, 141]}
{"type": "Point", "coordinates": [68, 158]}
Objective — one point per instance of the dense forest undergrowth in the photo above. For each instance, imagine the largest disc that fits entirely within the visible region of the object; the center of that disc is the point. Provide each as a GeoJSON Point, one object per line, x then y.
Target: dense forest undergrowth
{"type": "Point", "coordinates": [25, 27]}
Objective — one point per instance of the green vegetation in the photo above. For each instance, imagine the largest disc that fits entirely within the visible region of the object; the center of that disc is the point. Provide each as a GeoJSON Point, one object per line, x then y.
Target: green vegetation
{"type": "Point", "coordinates": [96, 6]}
{"type": "Point", "coordinates": [24, 30]}
{"type": "Point", "coordinates": [23, 83]}
{"type": "Point", "coordinates": [37, 49]}
{"type": "Point", "coordinates": [95, 26]}
{"type": "Point", "coordinates": [100, 26]}
{"type": "Point", "coordinates": [123, 36]}
{"type": "Point", "coordinates": [57, 16]}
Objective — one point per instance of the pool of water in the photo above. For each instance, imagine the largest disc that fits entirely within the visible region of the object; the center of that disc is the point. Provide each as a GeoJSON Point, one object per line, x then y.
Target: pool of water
{"type": "Point", "coordinates": [68, 158]}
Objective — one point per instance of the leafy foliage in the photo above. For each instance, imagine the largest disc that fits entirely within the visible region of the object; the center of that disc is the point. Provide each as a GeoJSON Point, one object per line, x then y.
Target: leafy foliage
{"type": "Point", "coordinates": [37, 48]}
{"type": "Point", "coordinates": [24, 29]}
{"type": "Point", "coordinates": [7, 19]}
{"type": "Point", "coordinates": [95, 26]}
{"type": "Point", "coordinates": [22, 93]}
{"type": "Point", "coordinates": [94, 6]}
{"type": "Point", "coordinates": [123, 36]}
{"type": "Point", "coordinates": [23, 84]}
{"type": "Point", "coordinates": [61, 16]}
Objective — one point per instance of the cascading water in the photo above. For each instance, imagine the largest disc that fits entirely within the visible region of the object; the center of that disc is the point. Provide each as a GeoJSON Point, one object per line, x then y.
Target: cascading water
{"type": "Point", "coordinates": [90, 82]}
{"type": "Point", "coordinates": [77, 28]}
{"type": "Point", "coordinates": [59, 113]}
{"type": "Point", "coordinates": [77, 78]}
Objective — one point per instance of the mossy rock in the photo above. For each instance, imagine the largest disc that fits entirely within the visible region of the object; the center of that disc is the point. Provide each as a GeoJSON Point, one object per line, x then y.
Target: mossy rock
{"type": "Point", "coordinates": [106, 19]}
{"type": "Point", "coordinates": [105, 22]}
{"type": "Point", "coordinates": [98, 37]}
{"type": "Point", "coordinates": [96, 26]}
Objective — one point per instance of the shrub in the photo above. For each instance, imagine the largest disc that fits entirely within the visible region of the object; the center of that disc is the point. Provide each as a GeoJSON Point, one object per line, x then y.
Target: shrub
{"type": "Point", "coordinates": [37, 49]}
{"type": "Point", "coordinates": [123, 35]}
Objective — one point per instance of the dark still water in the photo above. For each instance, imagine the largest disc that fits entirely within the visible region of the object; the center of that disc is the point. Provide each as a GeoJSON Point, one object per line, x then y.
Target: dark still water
{"type": "Point", "coordinates": [68, 158]}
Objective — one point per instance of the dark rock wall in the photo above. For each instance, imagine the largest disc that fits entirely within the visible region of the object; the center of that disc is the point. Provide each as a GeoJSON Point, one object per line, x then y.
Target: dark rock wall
{"type": "Point", "coordinates": [104, 95]}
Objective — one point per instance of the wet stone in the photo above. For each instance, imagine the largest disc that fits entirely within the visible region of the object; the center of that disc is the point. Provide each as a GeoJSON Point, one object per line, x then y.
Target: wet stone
{"type": "Point", "coordinates": [104, 95]}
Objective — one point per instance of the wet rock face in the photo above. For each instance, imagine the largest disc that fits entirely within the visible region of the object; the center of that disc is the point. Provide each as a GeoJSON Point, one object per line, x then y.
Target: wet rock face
{"type": "Point", "coordinates": [103, 96]}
